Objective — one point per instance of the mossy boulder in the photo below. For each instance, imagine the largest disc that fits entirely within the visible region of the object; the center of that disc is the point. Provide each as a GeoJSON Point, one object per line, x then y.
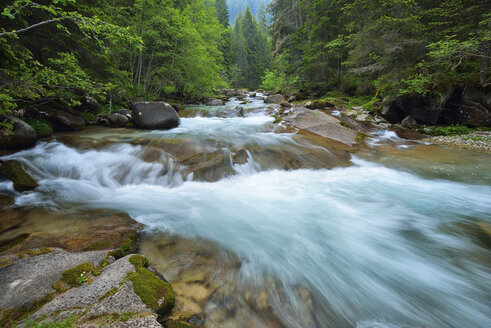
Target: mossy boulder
{"type": "Point", "coordinates": [42, 127]}
{"type": "Point", "coordinates": [14, 171]}
{"type": "Point", "coordinates": [22, 135]}
{"type": "Point", "coordinates": [153, 291]}
{"type": "Point", "coordinates": [78, 275]}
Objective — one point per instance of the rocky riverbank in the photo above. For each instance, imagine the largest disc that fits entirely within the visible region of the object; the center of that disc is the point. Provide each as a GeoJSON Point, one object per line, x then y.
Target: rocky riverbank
{"type": "Point", "coordinates": [480, 141]}
{"type": "Point", "coordinates": [79, 268]}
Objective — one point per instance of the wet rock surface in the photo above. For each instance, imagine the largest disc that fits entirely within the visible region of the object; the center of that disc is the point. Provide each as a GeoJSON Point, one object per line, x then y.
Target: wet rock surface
{"type": "Point", "coordinates": [154, 115]}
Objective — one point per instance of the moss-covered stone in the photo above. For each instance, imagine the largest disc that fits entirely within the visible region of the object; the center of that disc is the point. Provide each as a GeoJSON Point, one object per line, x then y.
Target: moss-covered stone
{"type": "Point", "coordinates": [60, 286]}
{"type": "Point", "coordinates": [34, 252]}
{"type": "Point", "coordinates": [14, 171]}
{"type": "Point", "coordinates": [10, 317]}
{"type": "Point", "coordinates": [126, 248]}
{"type": "Point", "coordinates": [178, 324]}
{"type": "Point", "coordinates": [78, 275]}
{"type": "Point", "coordinates": [139, 261]}
{"type": "Point", "coordinates": [154, 292]}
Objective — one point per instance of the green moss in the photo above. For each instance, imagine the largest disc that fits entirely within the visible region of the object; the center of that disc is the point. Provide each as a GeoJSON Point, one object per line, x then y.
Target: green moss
{"type": "Point", "coordinates": [60, 286]}
{"type": "Point", "coordinates": [42, 128]}
{"type": "Point", "coordinates": [34, 252]}
{"type": "Point", "coordinates": [151, 289]}
{"type": "Point", "coordinates": [67, 323]}
{"type": "Point", "coordinates": [177, 324]}
{"type": "Point", "coordinates": [78, 275]}
{"type": "Point", "coordinates": [99, 245]}
{"type": "Point", "coordinates": [10, 317]}
{"type": "Point", "coordinates": [126, 248]}
{"type": "Point", "coordinates": [89, 116]}
{"type": "Point", "coordinates": [138, 261]}
{"type": "Point", "coordinates": [278, 120]}
{"type": "Point", "coordinates": [14, 171]}
{"type": "Point", "coordinates": [451, 130]}
{"type": "Point", "coordinates": [109, 293]}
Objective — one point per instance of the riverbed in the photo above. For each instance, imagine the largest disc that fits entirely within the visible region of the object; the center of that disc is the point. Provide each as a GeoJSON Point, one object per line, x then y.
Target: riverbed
{"type": "Point", "coordinates": [256, 224]}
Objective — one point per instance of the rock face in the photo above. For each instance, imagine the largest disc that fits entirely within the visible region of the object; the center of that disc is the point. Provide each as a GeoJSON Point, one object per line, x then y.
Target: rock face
{"type": "Point", "coordinates": [118, 120]}
{"type": "Point", "coordinates": [30, 279]}
{"type": "Point", "coordinates": [89, 104]}
{"type": "Point", "coordinates": [409, 122]}
{"type": "Point", "coordinates": [318, 104]}
{"type": "Point", "coordinates": [215, 102]}
{"type": "Point", "coordinates": [23, 136]}
{"type": "Point", "coordinates": [286, 104]}
{"type": "Point", "coordinates": [322, 124]}
{"type": "Point", "coordinates": [470, 107]}
{"type": "Point", "coordinates": [154, 115]}
{"type": "Point", "coordinates": [14, 171]}
{"type": "Point", "coordinates": [65, 121]}
{"type": "Point", "coordinates": [274, 99]}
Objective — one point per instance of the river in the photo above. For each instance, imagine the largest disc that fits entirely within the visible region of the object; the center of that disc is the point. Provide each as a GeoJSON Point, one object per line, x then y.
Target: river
{"type": "Point", "coordinates": [257, 226]}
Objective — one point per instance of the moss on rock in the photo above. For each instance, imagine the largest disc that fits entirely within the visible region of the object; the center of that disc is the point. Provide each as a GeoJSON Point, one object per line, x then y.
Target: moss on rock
{"type": "Point", "coordinates": [78, 275]}
{"type": "Point", "coordinates": [153, 291]}
{"type": "Point", "coordinates": [126, 248]}
{"type": "Point", "coordinates": [14, 171]}
{"type": "Point", "coordinates": [138, 261]}
{"type": "Point", "coordinates": [42, 128]}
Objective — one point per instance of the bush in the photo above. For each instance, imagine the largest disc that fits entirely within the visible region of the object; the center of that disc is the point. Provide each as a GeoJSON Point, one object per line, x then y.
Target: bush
{"type": "Point", "coordinates": [42, 128]}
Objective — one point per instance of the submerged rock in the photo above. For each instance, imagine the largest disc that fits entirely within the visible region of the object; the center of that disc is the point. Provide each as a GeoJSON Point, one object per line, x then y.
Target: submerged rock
{"type": "Point", "coordinates": [23, 135]}
{"type": "Point", "coordinates": [14, 171]}
{"type": "Point", "coordinates": [154, 115]}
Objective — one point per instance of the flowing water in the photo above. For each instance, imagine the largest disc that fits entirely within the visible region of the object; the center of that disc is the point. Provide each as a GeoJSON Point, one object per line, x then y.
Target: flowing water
{"type": "Point", "coordinates": [289, 232]}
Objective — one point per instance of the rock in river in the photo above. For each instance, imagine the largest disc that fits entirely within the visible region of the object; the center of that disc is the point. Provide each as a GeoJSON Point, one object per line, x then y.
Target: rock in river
{"type": "Point", "coordinates": [118, 120]}
{"type": "Point", "coordinates": [274, 99]}
{"type": "Point", "coordinates": [22, 136]}
{"type": "Point", "coordinates": [14, 171]}
{"type": "Point", "coordinates": [154, 115]}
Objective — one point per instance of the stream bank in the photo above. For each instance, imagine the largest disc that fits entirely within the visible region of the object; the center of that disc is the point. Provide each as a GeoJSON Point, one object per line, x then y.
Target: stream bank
{"type": "Point", "coordinates": [263, 224]}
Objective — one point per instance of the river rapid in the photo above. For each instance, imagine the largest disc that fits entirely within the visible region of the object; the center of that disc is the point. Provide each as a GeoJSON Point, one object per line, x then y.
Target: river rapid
{"type": "Point", "coordinates": [258, 225]}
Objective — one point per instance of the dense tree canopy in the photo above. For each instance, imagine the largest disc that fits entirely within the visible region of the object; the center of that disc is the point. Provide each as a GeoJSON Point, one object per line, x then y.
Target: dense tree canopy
{"type": "Point", "coordinates": [388, 47]}
{"type": "Point", "coordinates": [61, 50]}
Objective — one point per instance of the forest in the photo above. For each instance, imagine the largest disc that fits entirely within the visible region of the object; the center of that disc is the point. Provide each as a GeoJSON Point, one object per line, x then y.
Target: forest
{"type": "Point", "coordinates": [60, 50]}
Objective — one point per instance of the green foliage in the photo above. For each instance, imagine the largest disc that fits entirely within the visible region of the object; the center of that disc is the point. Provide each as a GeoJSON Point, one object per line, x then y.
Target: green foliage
{"type": "Point", "coordinates": [138, 261]}
{"type": "Point", "coordinates": [42, 128]}
{"type": "Point", "coordinates": [451, 130]}
{"type": "Point", "coordinates": [388, 48]}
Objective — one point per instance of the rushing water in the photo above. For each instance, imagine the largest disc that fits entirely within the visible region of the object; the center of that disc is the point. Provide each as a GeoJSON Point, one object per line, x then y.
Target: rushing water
{"type": "Point", "coordinates": [384, 239]}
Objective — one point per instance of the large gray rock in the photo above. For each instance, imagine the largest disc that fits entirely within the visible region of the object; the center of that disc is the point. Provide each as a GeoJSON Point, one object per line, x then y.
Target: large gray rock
{"type": "Point", "coordinates": [274, 99]}
{"type": "Point", "coordinates": [29, 280]}
{"type": "Point", "coordinates": [22, 136]}
{"type": "Point", "coordinates": [65, 121]}
{"type": "Point", "coordinates": [215, 102]}
{"type": "Point", "coordinates": [154, 115]}
{"type": "Point", "coordinates": [118, 120]}
{"type": "Point", "coordinates": [86, 295]}
{"type": "Point", "coordinates": [15, 172]}
{"type": "Point", "coordinates": [409, 122]}
{"type": "Point", "coordinates": [89, 104]}
{"type": "Point", "coordinates": [322, 124]}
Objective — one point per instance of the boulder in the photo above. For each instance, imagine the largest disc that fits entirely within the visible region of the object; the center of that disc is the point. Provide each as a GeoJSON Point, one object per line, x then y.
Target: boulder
{"type": "Point", "coordinates": [274, 99]}
{"type": "Point", "coordinates": [14, 171]}
{"type": "Point", "coordinates": [409, 122]}
{"type": "Point", "coordinates": [285, 104]}
{"type": "Point", "coordinates": [123, 111]}
{"type": "Point", "coordinates": [318, 104]}
{"type": "Point", "coordinates": [22, 136]}
{"type": "Point", "coordinates": [178, 107]}
{"type": "Point", "coordinates": [118, 120]}
{"type": "Point", "coordinates": [154, 115]}
{"type": "Point", "coordinates": [215, 102]}
{"type": "Point", "coordinates": [89, 104]}
{"type": "Point", "coordinates": [64, 121]}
